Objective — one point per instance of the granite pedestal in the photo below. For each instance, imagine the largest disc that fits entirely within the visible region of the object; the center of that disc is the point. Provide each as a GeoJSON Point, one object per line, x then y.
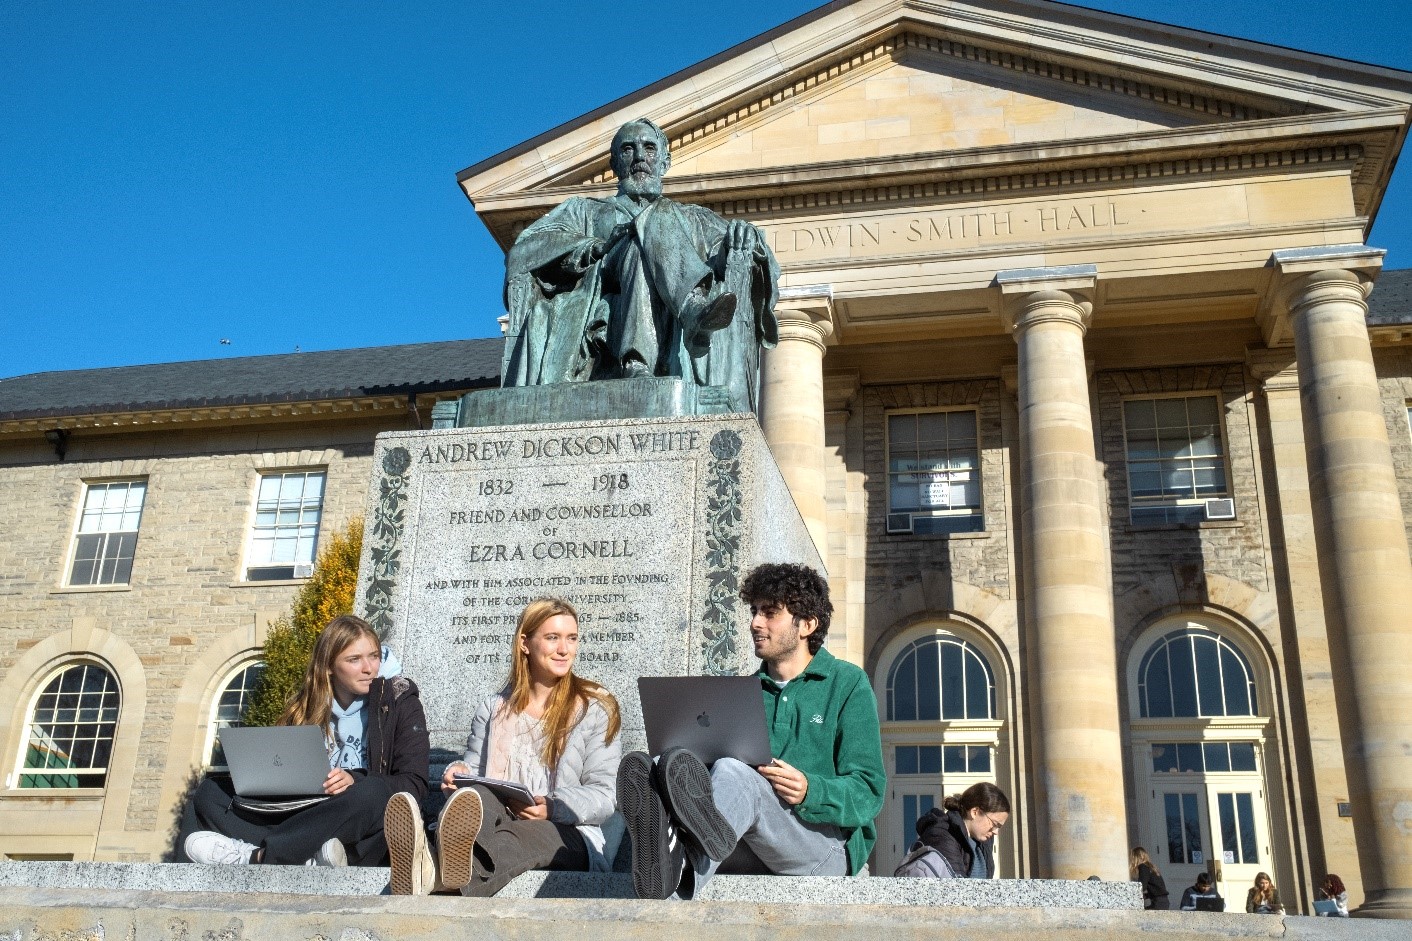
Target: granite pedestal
{"type": "Point", "coordinates": [645, 525]}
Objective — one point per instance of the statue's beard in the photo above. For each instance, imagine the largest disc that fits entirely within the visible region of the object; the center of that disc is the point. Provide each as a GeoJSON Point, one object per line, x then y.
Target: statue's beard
{"type": "Point", "coordinates": [648, 184]}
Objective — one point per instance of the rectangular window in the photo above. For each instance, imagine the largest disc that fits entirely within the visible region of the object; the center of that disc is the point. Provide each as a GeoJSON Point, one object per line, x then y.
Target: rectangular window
{"type": "Point", "coordinates": [106, 540]}
{"type": "Point", "coordinates": [1176, 460]}
{"type": "Point", "coordinates": [286, 531]}
{"type": "Point", "coordinates": [933, 466]}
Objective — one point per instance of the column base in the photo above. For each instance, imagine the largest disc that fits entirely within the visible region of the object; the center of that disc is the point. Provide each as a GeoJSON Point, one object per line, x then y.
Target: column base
{"type": "Point", "coordinates": [1386, 903]}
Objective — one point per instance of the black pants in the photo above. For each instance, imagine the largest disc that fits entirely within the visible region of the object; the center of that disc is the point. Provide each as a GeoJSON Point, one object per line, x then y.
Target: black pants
{"type": "Point", "coordinates": [508, 846]}
{"type": "Point", "coordinates": [354, 818]}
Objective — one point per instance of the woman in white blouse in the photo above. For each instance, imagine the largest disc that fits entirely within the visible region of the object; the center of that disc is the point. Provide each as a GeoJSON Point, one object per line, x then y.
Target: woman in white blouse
{"type": "Point", "coordinates": [549, 730]}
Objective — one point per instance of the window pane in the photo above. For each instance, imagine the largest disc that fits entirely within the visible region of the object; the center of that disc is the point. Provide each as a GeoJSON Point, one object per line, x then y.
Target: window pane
{"type": "Point", "coordinates": [72, 727]}
{"type": "Point", "coordinates": [904, 687]}
{"type": "Point", "coordinates": [1208, 676]}
{"type": "Point", "coordinates": [1189, 756]}
{"type": "Point", "coordinates": [1183, 677]}
{"type": "Point", "coordinates": [1157, 684]}
{"type": "Point", "coordinates": [929, 759]}
{"type": "Point", "coordinates": [1164, 758]}
{"type": "Point", "coordinates": [287, 512]}
{"type": "Point", "coordinates": [953, 686]}
{"type": "Point", "coordinates": [1176, 832]}
{"type": "Point", "coordinates": [955, 759]}
{"type": "Point", "coordinates": [979, 762]}
{"type": "Point", "coordinates": [929, 689]}
{"type": "Point", "coordinates": [1242, 756]}
{"type": "Point", "coordinates": [1236, 683]}
{"type": "Point", "coordinates": [1230, 841]}
{"type": "Point", "coordinates": [1192, 821]}
{"type": "Point", "coordinates": [1218, 756]}
{"type": "Point", "coordinates": [1245, 813]}
{"type": "Point", "coordinates": [979, 695]}
{"type": "Point", "coordinates": [906, 759]}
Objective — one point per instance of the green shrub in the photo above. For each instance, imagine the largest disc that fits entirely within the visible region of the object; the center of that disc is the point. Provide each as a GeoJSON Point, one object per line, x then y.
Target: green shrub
{"type": "Point", "coordinates": [289, 643]}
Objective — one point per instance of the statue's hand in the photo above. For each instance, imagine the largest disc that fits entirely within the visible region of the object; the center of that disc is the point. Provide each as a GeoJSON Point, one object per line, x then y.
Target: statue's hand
{"type": "Point", "coordinates": [620, 232]}
{"type": "Point", "coordinates": [744, 236]}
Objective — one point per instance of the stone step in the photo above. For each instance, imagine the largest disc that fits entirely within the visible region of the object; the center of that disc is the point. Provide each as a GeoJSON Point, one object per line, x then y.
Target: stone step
{"type": "Point", "coordinates": [359, 881]}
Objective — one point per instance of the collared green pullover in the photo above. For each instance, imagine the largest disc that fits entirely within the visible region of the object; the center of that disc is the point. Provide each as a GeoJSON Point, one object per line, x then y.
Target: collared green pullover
{"type": "Point", "coordinates": [825, 723]}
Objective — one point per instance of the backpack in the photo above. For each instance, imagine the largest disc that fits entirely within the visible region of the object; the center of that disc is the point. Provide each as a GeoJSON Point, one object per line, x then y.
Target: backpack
{"type": "Point", "coordinates": [924, 862]}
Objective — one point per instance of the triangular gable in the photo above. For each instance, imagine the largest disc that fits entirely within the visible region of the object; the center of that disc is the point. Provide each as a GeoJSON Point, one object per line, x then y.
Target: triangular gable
{"type": "Point", "coordinates": [882, 80]}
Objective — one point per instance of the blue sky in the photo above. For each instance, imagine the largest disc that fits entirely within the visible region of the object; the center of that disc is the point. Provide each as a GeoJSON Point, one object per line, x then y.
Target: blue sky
{"type": "Point", "coordinates": [282, 175]}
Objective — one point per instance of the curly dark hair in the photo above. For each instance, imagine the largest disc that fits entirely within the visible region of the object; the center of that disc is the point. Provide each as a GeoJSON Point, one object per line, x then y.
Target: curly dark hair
{"type": "Point", "coordinates": [797, 587]}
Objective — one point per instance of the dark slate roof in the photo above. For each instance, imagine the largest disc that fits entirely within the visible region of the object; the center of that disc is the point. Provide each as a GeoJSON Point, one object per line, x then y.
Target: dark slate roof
{"type": "Point", "coordinates": [255, 380]}
{"type": "Point", "coordinates": [1391, 300]}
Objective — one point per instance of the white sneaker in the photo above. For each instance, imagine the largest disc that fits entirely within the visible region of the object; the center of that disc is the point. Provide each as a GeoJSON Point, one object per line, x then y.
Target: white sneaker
{"type": "Point", "coordinates": [217, 849]}
{"type": "Point", "coordinates": [331, 853]}
{"type": "Point", "coordinates": [413, 870]}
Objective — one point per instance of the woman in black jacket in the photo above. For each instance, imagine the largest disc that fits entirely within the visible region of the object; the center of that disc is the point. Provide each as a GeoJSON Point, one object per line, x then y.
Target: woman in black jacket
{"type": "Point", "coordinates": [1142, 869]}
{"type": "Point", "coordinates": [963, 831]}
{"type": "Point", "coordinates": [378, 745]}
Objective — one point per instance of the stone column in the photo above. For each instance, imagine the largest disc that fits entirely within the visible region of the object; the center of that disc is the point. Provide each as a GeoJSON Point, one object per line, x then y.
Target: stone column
{"type": "Point", "coordinates": [792, 400]}
{"type": "Point", "coordinates": [1361, 537]}
{"type": "Point", "coordinates": [1082, 814]}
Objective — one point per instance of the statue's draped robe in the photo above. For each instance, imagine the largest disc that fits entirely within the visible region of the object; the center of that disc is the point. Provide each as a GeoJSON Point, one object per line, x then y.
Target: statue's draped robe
{"type": "Point", "coordinates": [573, 319]}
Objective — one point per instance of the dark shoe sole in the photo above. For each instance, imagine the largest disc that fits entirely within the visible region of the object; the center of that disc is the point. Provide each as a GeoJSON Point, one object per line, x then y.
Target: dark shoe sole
{"type": "Point", "coordinates": [456, 832]}
{"type": "Point", "coordinates": [656, 857]}
{"type": "Point", "coordinates": [402, 827]}
{"type": "Point", "coordinates": [686, 790]}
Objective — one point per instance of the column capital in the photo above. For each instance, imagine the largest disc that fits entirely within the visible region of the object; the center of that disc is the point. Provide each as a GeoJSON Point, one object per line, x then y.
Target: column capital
{"type": "Point", "coordinates": [806, 313]}
{"type": "Point", "coordinates": [1034, 295]}
{"type": "Point", "coordinates": [1348, 270]}
{"type": "Point", "coordinates": [1275, 370]}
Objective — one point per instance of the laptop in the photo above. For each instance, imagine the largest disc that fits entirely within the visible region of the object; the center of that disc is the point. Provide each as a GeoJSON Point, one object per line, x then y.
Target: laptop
{"type": "Point", "coordinates": [713, 717]}
{"type": "Point", "coordinates": [1325, 907]}
{"type": "Point", "coordinates": [278, 761]}
{"type": "Point", "coordinates": [1209, 903]}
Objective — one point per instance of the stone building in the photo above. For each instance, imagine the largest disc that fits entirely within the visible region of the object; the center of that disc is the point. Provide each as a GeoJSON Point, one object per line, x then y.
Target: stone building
{"type": "Point", "coordinates": [1078, 390]}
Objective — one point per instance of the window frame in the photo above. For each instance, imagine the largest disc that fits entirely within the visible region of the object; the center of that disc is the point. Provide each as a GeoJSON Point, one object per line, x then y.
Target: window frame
{"type": "Point", "coordinates": [71, 557]}
{"type": "Point", "coordinates": [20, 771]}
{"type": "Point", "coordinates": [1166, 502]}
{"type": "Point", "coordinates": [253, 528]}
{"type": "Point", "coordinates": [977, 515]}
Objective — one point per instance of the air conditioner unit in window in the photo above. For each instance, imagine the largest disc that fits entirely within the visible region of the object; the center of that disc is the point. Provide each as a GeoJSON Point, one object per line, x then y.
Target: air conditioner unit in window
{"type": "Point", "coordinates": [1222, 508]}
{"type": "Point", "coordinates": [899, 522]}
{"type": "Point", "coordinates": [303, 569]}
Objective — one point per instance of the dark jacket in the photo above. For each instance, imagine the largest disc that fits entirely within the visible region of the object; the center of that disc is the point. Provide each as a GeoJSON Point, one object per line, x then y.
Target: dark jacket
{"type": "Point", "coordinates": [1154, 887]}
{"type": "Point", "coordinates": [945, 832]}
{"type": "Point", "coordinates": [399, 747]}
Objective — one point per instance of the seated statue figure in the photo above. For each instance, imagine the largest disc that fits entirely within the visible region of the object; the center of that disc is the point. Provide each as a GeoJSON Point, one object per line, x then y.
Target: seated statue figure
{"type": "Point", "coordinates": [640, 285]}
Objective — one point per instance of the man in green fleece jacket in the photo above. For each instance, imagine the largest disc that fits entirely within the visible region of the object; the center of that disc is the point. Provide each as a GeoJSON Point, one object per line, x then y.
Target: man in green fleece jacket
{"type": "Point", "coordinates": [811, 810]}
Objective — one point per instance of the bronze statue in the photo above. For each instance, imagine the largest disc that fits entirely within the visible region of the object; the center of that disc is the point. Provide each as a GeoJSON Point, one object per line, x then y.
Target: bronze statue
{"type": "Point", "coordinates": [640, 285]}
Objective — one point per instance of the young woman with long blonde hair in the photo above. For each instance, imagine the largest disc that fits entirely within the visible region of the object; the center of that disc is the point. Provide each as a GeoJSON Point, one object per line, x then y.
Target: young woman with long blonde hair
{"type": "Point", "coordinates": [377, 744]}
{"type": "Point", "coordinates": [550, 730]}
{"type": "Point", "coordinates": [1142, 869]}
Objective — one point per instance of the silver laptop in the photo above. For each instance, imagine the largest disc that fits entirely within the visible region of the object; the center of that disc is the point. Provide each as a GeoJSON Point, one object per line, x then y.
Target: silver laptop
{"type": "Point", "coordinates": [712, 716]}
{"type": "Point", "coordinates": [278, 761]}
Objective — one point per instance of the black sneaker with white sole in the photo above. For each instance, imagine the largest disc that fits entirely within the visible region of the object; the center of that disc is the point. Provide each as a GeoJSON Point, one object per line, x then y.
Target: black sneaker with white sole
{"type": "Point", "coordinates": [685, 785]}
{"type": "Point", "coordinates": [658, 858]}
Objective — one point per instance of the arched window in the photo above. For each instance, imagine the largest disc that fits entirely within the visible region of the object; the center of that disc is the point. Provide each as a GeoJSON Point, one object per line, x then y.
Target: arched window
{"type": "Point", "coordinates": [940, 678]}
{"type": "Point", "coordinates": [229, 706]}
{"type": "Point", "coordinates": [71, 729]}
{"type": "Point", "coordinates": [1195, 672]}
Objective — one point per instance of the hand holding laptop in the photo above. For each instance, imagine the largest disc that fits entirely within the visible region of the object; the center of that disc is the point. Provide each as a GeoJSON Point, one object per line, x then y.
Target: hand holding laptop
{"type": "Point", "coordinates": [337, 782]}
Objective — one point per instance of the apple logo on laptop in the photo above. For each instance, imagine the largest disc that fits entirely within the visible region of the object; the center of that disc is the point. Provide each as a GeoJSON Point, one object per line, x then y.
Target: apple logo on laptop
{"type": "Point", "coordinates": [704, 721]}
{"type": "Point", "coordinates": [279, 762]}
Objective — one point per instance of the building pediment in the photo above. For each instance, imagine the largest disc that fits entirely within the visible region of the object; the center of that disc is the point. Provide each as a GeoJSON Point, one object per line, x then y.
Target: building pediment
{"type": "Point", "coordinates": [976, 95]}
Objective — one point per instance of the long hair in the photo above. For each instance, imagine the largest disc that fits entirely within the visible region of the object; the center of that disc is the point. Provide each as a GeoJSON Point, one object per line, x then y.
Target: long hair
{"type": "Point", "coordinates": [1137, 858]}
{"type": "Point", "coordinates": [572, 694]}
{"type": "Point", "coordinates": [1335, 886]}
{"type": "Point", "coordinates": [985, 797]}
{"type": "Point", "coordinates": [312, 702]}
{"type": "Point", "coordinates": [1266, 894]}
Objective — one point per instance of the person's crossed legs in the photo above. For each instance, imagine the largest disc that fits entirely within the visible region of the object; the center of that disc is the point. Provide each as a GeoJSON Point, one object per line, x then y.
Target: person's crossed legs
{"type": "Point", "coordinates": [713, 811]}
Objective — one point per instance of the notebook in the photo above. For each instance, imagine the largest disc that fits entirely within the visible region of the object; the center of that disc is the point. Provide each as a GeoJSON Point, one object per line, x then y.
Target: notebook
{"type": "Point", "coordinates": [278, 761]}
{"type": "Point", "coordinates": [714, 717]}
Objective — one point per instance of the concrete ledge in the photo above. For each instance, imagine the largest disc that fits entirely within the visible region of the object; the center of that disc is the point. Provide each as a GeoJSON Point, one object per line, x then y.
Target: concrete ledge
{"type": "Point", "coordinates": [363, 882]}
{"type": "Point", "coordinates": [44, 914]}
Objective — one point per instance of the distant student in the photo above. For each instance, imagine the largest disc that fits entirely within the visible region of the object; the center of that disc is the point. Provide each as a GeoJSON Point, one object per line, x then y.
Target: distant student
{"type": "Point", "coordinates": [1333, 890]}
{"type": "Point", "coordinates": [1203, 889]}
{"type": "Point", "coordinates": [378, 745]}
{"type": "Point", "coordinates": [1263, 898]}
{"type": "Point", "coordinates": [957, 840]}
{"type": "Point", "coordinates": [1142, 869]}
